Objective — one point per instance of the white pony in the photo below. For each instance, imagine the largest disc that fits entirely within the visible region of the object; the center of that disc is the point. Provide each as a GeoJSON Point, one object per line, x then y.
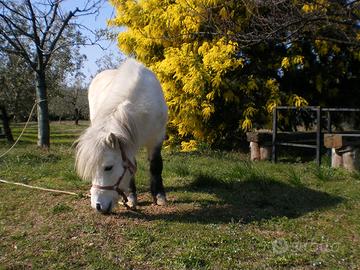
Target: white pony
{"type": "Point", "coordinates": [127, 111]}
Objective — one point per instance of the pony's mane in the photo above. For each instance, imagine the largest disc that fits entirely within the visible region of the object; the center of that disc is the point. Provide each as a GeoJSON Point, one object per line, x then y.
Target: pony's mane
{"type": "Point", "coordinates": [93, 142]}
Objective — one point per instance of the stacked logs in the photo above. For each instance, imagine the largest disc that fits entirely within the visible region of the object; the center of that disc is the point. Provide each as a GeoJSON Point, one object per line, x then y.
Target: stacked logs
{"type": "Point", "coordinates": [344, 150]}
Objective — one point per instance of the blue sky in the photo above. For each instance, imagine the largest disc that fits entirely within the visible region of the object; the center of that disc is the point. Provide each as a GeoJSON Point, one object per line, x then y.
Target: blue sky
{"type": "Point", "coordinates": [94, 22]}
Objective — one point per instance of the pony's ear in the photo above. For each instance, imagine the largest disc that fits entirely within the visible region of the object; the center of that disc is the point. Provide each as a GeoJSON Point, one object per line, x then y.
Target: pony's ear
{"type": "Point", "coordinates": [112, 141]}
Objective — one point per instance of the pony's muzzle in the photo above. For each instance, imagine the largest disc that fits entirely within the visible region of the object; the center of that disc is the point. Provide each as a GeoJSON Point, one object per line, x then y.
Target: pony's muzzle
{"type": "Point", "coordinates": [103, 209]}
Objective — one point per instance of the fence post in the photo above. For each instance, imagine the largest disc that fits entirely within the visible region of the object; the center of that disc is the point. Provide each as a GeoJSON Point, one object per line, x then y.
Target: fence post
{"type": "Point", "coordinates": [274, 136]}
{"type": "Point", "coordinates": [329, 153]}
{"type": "Point", "coordinates": [318, 136]}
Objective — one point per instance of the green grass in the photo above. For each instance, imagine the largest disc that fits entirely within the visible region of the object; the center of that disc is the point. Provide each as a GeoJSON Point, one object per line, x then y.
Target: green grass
{"type": "Point", "coordinates": [224, 212]}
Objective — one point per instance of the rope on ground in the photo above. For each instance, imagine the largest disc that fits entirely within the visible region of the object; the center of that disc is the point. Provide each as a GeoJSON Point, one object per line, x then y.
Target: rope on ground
{"type": "Point", "coordinates": [61, 192]}
{"type": "Point", "coordinates": [44, 189]}
{"type": "Point", "coordinates": [64, 192]}
{"type": "Point", "coordinates": [22, 132]}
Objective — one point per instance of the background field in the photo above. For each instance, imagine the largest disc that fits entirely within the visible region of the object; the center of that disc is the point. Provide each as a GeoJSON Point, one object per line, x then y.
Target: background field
{"type": "Point", "coordinates": [224, 212]}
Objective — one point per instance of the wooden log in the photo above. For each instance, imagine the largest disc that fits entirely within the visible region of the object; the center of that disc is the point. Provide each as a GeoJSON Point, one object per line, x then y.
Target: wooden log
{"type": "Point", "coordinates": [350, 160]}
{"type": "Point", "coordinates": [265, 152]}
{"type": "Point", "coordinates": [254, 151]}
{"type": "Point", "coordinates": [341, 140]}
{"type": "Point", "coordinates": [261, 136]}
{"type": "Point", "coordinates": [336, 159]}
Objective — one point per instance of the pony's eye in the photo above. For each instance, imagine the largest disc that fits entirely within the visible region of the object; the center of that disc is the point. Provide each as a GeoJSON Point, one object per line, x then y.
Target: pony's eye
{"type": "Point", "coordinates": [108, 168]}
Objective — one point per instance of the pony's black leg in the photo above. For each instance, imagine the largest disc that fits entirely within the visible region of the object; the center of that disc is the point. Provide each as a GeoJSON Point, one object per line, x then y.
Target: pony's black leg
{"type": "Point", "coordinates": [156, 182]}
{"type": "Point", "coordinates": [132, 186]}
{"type": "Point", "coordinates": [131, 196]}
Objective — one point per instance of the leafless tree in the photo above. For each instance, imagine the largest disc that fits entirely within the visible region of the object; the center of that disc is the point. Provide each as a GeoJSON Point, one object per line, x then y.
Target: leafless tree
{"type": "Point", "coordinates": [281, 20]}
{"type": "Point", "coordinates": [109, 61]}
{"type": "Point", "coordinates": [258, 21]}
{"type": "Point", "coordinates": [35, 30]}
{"type": "Point", "coordinates": [70, 103]}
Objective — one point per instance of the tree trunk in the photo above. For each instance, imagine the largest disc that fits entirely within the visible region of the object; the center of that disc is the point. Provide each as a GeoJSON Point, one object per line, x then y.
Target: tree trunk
{"type": "Point", "coordinates": [42, 112]}
{"type": "Point", "coordinates": [5, 120]}
{"type": "Point", "coordinates": [77, 116]}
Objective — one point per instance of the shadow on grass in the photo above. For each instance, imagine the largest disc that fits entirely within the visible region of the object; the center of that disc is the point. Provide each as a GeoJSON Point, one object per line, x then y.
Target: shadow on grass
{"type": "Point", "coordinates": [252, 199]}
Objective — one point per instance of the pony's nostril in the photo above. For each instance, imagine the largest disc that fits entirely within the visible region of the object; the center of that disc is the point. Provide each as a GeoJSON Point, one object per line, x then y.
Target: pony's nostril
{"type": "Point", "coordinates": [102, 209]}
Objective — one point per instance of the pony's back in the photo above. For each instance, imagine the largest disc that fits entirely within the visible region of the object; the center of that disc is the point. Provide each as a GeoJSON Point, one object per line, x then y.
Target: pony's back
{"type": "Point", "coordinates": [97, 90]}
{"type": "Point", "coordinates": [131, 89]}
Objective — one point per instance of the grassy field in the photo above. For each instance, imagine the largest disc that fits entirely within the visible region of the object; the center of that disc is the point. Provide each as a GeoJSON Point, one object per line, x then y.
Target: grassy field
{"type": "Point", "coordinates": [223, 213]}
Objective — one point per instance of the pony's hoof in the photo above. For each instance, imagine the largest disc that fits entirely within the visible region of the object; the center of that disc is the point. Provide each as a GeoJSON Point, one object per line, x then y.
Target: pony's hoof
{"type": "Point", "coordinates": [131, 201]}
{"type": "Point", "coordinates": [160, 199]}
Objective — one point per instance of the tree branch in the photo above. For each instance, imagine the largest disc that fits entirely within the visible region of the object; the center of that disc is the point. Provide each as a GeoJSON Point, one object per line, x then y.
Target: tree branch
{"type": "Point", "coordinates": [40, 60]}
{"type": "Point", "coordinates": [14, 11]}
{"type": "Point", "coordinates": [50, 24]}
{"type": "Point", "coordinates": [57, 37]}
{"type": "Point", "coordinates": [18, 48]}
{"type": "Point", "coordinates": [11, 24]}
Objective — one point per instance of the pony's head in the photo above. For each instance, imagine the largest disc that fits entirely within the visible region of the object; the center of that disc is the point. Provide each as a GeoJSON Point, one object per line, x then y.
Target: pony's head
{"type": "Point", "coordinates": [102, 159]}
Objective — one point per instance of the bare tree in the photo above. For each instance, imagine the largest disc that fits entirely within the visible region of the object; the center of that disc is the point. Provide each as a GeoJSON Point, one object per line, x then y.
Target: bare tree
{"type": "Point", "coordinates": [17, 86]}
{"type": "Point", "coordinates": [75, 97]}
{"type": "Point", "coordinates": [70, 103]}
{"type": "Point", "coordinates": [109, 61]}
{"type": "Point", "coordinates": [258, 21]}
{"type": "Point", "coordinates": [284, 21]}
{"type": "Point", "coordinates": [34, 30]}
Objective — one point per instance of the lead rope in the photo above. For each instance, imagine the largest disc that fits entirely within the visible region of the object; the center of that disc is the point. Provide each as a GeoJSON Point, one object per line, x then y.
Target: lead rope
{"type": "Point", "coordinates": [29, 186]}
{"type": "Point", "coordinates": [22, 132]}
{"type": "Point", "coordinates": [60, 191]}
{"type": "Point", "coordinates": [44, 189]}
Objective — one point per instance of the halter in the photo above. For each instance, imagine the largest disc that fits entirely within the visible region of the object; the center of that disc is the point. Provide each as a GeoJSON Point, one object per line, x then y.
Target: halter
{"type": "Point", "coordinates": [127, 165]}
